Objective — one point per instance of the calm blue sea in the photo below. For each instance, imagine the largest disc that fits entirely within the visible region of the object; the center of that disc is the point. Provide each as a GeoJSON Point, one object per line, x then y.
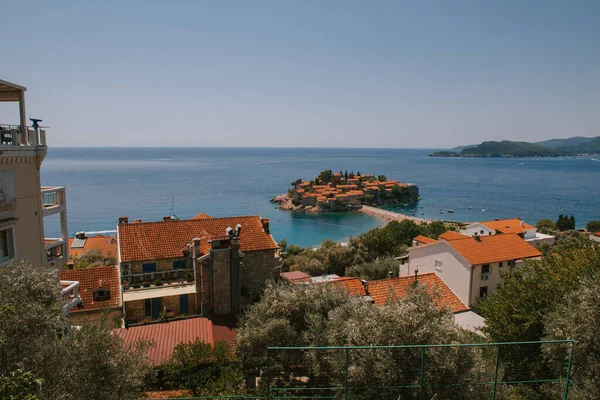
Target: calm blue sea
{"type": "Point", "coordinates": [105, 183]}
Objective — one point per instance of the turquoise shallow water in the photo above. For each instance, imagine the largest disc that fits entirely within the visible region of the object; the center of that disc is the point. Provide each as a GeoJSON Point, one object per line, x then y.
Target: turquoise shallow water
{"type": "Point", "coordinates": [105, 183]}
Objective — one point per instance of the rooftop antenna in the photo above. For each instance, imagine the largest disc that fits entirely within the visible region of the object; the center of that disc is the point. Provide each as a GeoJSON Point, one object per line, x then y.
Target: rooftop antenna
{"type": "Point", "coordinates": [173, 216]}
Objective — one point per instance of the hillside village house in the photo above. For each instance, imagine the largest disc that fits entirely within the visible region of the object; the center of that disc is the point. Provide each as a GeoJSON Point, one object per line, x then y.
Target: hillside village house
{"type": "Point", "coordinates": [528, 232]}
{"type": "Point", "coordinates": [205, 265]}
{"type": "Point", "coordinates": [470, 266]}
{"type": "Point", "coordinates": [24, 203]}
{"type": "Point", "coordinates": [100, 293]}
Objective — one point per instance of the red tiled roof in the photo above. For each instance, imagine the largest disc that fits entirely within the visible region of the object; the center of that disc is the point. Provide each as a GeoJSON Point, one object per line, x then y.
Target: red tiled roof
{"type": "Point", "coordinates": [597, 234]}
{"type": "Point", "coordinates": [168, 335]}
{"type": "Point", "coordinates": [89, 280]}
{"type": "Point", "coordinates": [513, 225]}
{"type": "Point", "coordinates": [452, 235]}
{"type": "Point", "coordinates": [385, 290]}
{"type": "Point", "coordinates": [494, 248]}
{"type": "Point", "coordinates": [353, 285]}
{"type": "Point", "coordinates": [295, 276]}
{"type": "Point", "coordinates": [202, 216]}
{"type": "Point", "coordinates": [105, 244]}
{"type": "Point", "coordinates": [156, 240]}
{"type": "Point", "coordinates": [424, 239]}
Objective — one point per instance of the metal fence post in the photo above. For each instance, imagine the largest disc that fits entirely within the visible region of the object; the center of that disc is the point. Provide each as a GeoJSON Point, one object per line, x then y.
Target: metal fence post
{"type": "Point", "coordinates": [346, 377]}
{"type": "Point", "coordinates": [422, 375]}
{"type": "Point", "coordinates": [496, 373]}
{"type": "Point", "coordinates": [568, 377]}
{"type": "Point", "coordinates": [268, 374]}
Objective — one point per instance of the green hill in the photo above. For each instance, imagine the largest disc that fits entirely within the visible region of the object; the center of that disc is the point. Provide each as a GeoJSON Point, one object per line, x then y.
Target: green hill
{"type": "Point", "coordinates": [571, 142]}
{"type": "Point", "coordinates": [507, 148]}
{"type": "Point", "coordinates": [549, 148]}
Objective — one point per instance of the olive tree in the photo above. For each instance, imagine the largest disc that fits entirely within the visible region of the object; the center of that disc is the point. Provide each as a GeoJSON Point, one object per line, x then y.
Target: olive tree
{"type": "Point", "coordinates": [88, 363]}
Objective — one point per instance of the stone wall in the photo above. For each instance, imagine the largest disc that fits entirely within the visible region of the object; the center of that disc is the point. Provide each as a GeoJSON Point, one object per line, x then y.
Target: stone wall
{"type": "Point", "coordinates": [259, 267]}
{"type": "Point", "coordinates": [165, 264]}
{"type": "Point", "coordinates": [135, 309]}
{"type": "Point", "coordinates": [220, 279]}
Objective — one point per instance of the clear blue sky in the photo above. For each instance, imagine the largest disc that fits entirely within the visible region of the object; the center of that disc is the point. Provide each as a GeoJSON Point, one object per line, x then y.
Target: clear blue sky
{"type": "Point", "coordinates": [304, 73]}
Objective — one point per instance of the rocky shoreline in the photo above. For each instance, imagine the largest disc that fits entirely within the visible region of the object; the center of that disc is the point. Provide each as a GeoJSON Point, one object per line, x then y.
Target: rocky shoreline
{"type": "Point", "coordinates": [285, 203]}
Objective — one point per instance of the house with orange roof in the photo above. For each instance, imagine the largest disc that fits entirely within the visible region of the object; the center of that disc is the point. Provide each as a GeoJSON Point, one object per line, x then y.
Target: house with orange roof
{"type": "Point", "coordinates": [83, 242]}
{"type": "Point", "coordinates": [472, 267]}
{"type": "Point", "coordinates": [205, 266]}
{"type": "Point", "coordinates": [513, 225]}
{"type": "Point", "coordinates": [100, 294]}
{"type": "Point", "coordinates": [385, 290]}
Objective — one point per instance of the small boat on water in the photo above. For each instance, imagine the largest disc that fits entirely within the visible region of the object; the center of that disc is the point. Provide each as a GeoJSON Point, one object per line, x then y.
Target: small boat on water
{"type": "Point", "coordinates": [405, 204]}
{"type": "Point", "coordinates": [482, 210]}
{"type": "Point", "coordinates": [451, 211]}
{"type": "Point", "coordinates": [420, 206]}
{"type": "Point", "coordinates": [470, 207]}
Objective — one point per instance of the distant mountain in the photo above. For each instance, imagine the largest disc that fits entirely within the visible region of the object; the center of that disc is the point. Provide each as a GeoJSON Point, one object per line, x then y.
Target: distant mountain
{"type": "Point", "coordinates": [569, 142]}
{"type": "Point", "coordinates": [591, 147]}
{"type": "Point", "coordinates": [549, 148]}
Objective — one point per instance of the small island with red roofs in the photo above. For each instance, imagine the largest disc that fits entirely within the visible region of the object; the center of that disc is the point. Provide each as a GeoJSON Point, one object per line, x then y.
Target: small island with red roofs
{"type": "Point", "coordinates": [345, 191]}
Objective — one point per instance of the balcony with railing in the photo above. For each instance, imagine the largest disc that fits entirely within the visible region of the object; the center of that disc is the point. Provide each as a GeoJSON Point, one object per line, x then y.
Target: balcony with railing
{"type": "Point", "coordinates": [53, 199]}
{"type": "Point", "coordinates": [158, 279]}
{"type": "Point", "coordinates": [16, 136]}
{"type": "Point", "coordinates": [70, 293]}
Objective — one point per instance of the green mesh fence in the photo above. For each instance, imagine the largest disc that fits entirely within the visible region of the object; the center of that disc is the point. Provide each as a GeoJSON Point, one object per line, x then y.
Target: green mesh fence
{"type": "Point", "coordinates": [454, 371]}
{"type": "Point", "coordinates": [494, 371]}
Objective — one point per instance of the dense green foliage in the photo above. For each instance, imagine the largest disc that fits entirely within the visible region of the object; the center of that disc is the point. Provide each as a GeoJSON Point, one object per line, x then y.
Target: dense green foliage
{"type": "Point", "coordinates": [88, 363]}
{"type": "Point", "coordinates": [19, 385]}
{"type": "Point", "coordinates": [565, 223]}
{"type": "Point", "coordinates": [368, 256]}
{"type": "Point", "coordinates": [577, 317]}
{"type": "Point", "coordinates": [519, 310]}
{"type": "Point", "coordinates": [545, 225]}
{"type": "Point", "coordinates": [203, 370]}
{"type": "Point", "coordinates": [324, 315]}
{"type": "Point", "coordinates": [593, 226]}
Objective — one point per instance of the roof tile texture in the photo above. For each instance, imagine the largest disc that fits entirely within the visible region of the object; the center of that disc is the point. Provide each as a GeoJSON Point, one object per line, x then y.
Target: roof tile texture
{"type": "Point", "coordinates": [494, 248]}
{"type": "Point", "coordinates": [168, 335]}
{"type": "Point", "coordinates": [155, 240]}
{"type": "Point", "coordinates": [385, 290]}
{"type": "Point", "coordinates": [89, 280]}
{"type": "Point", "coordinates": [105, 244]}
{"type": "Point", "coordinates": [353, 286]}
{"type": "Point", "coordinates": [424, 239]}
{"type": "Point", "coordinates": [513, 225]}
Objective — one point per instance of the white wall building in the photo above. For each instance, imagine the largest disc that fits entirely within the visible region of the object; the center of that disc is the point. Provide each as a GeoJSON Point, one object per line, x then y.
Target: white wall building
{"type": "Point", "coordinates": [514, 225]}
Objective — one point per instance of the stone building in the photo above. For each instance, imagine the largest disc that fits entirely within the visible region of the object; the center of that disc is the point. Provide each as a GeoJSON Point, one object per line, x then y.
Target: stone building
{"type": "Point", "coordinates": [204, 265]}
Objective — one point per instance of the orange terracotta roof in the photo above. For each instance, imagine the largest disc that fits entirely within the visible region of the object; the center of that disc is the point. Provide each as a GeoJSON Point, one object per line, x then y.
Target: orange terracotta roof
{"type": "Point", "coordinates": [353, 285]}
{"type": "Point", "coordinates": [597, 234]}
{"type": "Point", "coordinates": [424, 239]}
{"type": "Point", "coordinates": [202, 216]}
{"type": "Point", "coordinates": [452, 235]}
{"type": "Point", "coordinates": [91, 279]}
{"type": "Point", "coordinates": [105, 244]}
{"type": "Point", "coordinates": [508, 225]}
{"type": "Point", "coordinates": [167, 335]}
{"type": "Point", "coordinates": [295, 276]}
{"type": "Point", "coordinates": [385, 290]}
{"type": "Point", "coordinates": [156, 240]}
{"type": "Point", "coordinates": [494, 248]}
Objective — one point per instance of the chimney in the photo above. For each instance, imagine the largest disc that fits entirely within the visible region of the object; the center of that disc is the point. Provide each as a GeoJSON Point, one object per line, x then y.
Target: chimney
{"type": "Point", "coordinates": [477, 238]}
{"type": "Point", "coordinates": [496, 219]}
{"type": "Point", "coordinates": [521, 223]}
{"type": "Point", "coordinates": [196, 252]}
{"type": "Point", "coordinates": [238, 229]}
{"type": "Point", "coordinates": [100, 283]}
{"type": "Point", "coordinates": [265, 224]}
{"type": "Point", "coordinates": [123, 220]}
{"type": "Point", "coordinates": [229, 231]}
{"type": "Point", "coordinates": [167, 219]}
{"type": "Point", "coordinates": [390, 274]}
{"type": "Point", "coordinates": [137, 221]}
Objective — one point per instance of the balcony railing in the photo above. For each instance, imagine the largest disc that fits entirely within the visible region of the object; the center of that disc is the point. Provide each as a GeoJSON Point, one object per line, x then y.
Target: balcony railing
{"type": "Point", "coordinates": [55, 251]}
{"type": "Point", "coordinates": [19, 136]}
{"type": "Point", "coordinates": [158, 278]}
{"type": "Point", "coordinates": [70, 292]}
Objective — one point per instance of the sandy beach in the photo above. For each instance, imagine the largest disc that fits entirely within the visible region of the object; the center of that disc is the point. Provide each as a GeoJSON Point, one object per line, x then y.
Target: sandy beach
{"type": "Point", "coordinates": [389, 215]}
